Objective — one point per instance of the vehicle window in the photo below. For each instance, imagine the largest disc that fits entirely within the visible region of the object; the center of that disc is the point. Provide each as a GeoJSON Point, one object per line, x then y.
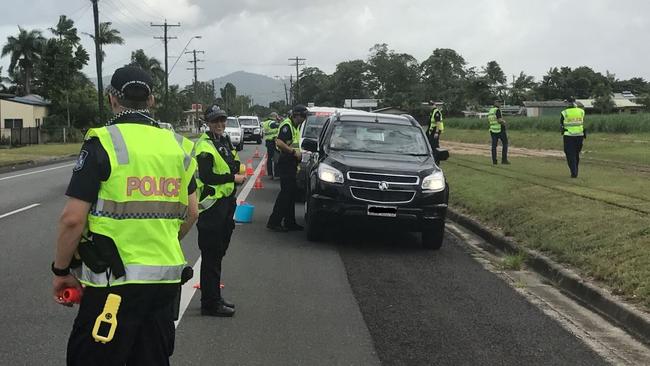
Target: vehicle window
{"type": "Point", "coordinates": [314, 124]}
{"type": "Point", "coordinates": [247, 122]}
{"type": "Point", "coordinates": [232, 122]}
{"type": "Point", "coordinates": [378, 138]}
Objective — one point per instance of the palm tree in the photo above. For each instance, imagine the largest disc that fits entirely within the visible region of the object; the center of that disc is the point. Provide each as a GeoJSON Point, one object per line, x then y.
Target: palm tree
{"type": "Point", "coordinates": [149, 64]}
{"type": "Point", "coordinates": [25, 51]}
{"type": "Point", "coordinates": [65, 30]}
{"type": "Point", "coordinates": [107, 36]}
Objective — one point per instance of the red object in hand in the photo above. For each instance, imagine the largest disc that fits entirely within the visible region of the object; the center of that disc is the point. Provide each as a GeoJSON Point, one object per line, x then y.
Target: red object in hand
{"type": "Point", "coordinates": [71, 295]}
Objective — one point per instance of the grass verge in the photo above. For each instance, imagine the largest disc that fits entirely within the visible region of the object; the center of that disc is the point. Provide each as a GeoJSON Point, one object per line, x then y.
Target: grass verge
{"type": "Point", "coordinates": [597, 224]}
{"type": "Point", "coordinates": [19, 155]}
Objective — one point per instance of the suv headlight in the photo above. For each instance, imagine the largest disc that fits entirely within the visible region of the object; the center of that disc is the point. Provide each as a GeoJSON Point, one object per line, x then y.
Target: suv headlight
{"type": "Point", "coordinates": [329, 174]}
{"type": "Point", "coordinates": [434, 182]}
{"type": "Point", "coordinates": [256, 131]}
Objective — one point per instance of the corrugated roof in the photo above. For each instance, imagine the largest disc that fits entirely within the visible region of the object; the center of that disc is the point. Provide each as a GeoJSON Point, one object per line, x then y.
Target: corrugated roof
{"type": "Point", "coordinates": [618, 102]}
{"type": "Point", "coordinates": [547, 103]}
{"type": "Point", "coordinates": [31, 99]}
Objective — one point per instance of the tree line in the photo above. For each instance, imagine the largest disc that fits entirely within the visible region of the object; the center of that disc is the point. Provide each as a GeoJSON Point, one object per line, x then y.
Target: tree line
{"type": "Point", "coordinates": [399, 80]}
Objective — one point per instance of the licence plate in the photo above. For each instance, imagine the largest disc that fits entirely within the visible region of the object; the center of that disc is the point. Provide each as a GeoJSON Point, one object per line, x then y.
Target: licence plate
{"type": "Point", "coordinates": [383, 211]}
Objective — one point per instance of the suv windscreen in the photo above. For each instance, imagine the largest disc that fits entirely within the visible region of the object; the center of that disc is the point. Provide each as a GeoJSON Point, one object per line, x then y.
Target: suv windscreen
{"type": "Point", "coordinates": [378, 138]}
{"type": "Point", "coordinates": [314, 125]}
{"type": "Point", "coordinates": [232, 122]}
{"type": "Point", "coordinates": [248, 122]}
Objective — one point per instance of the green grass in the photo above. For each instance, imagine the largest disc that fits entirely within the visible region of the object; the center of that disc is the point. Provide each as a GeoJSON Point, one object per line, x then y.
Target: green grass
{"type": "Point", "coordinates": [627, 148]}
{"type": "Point", "coordinates": [597, 224]}
{"type": "Point", "coordinates": [610, 123]}
{"type": "Point", "coordinates": [37, 152]}
{"type": "Point", "coordinates": [513, 262]}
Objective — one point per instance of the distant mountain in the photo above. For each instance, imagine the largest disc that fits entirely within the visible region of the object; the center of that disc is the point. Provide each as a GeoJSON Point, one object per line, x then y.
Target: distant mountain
{"type": "Point", "coordinates": [262, 89]}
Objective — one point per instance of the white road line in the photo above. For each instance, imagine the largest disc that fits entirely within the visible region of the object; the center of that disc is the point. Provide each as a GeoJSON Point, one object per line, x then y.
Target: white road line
{"type": "Point", "coordinates": [188, 290]}
{"type": "Point", "coordinates": [38, 171]}
{"type": "Point", "coordinates": [19, 210]}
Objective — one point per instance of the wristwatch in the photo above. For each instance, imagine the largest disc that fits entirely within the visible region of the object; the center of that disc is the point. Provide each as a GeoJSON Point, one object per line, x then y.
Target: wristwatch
{"type": "Point", "coordinates": [60, 272]}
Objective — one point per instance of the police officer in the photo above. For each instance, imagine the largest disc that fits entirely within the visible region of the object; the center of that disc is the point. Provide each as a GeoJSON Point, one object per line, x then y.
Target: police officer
{"type": "Point", "coordinates": [131, 198]}
{"type": "Point", "coordinates": [287, 145]}
{"type": "Point", "coordinates": [271, 127]}
{"type": "Point", "coordinates": [436, 125]}
{"type": "Point", "coordinates": [573, 131]}
{"type": "Point", "coordinates": [498, 132]}
{"type": "Point", "coordinates": [218, 174]}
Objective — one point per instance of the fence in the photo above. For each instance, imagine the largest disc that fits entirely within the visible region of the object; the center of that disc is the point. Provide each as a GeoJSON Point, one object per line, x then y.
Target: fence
{"type": "Point", "coordinates": [38, 135]}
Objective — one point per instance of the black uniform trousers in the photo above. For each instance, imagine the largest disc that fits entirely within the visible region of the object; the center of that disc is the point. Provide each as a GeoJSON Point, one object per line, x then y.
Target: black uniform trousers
{"type": "Point", "coordinates": [270, 151]}
{"type": "Point", "coordinates": [572, 149]}
{"type": "Point", "coordinates": [503, 136]}
{"type": "Point", "coordinates": [145, 326]}
{"type": "Point", "coordinates": [285, 203]}
{"type": "Point", "coordinates": [215, 227]}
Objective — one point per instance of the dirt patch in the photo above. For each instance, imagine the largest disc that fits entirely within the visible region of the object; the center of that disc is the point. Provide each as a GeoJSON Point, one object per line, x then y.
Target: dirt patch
{"type": "Point", "coordinates": [463, 148]}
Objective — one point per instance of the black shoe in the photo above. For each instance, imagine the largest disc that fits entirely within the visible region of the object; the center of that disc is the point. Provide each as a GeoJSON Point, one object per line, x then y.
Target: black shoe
{"type": "Point", "coordinates": [227, 304]}
{"type": "Point", "coordinates": [219, 310]}
{"type": "Point", "coordinates": [505, 162]}
{"type": "Point", "coordinates": [494, 163]}
{"type": "Point", "coordinates": [277, 228]}
{"type": "Point", "coordinates": [294, 227]}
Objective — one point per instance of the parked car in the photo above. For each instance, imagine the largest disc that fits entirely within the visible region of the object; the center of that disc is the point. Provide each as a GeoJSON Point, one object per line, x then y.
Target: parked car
{"type": "Point", "coordinates": [233, 129]}
{"type": "Point", "coordinates": [167, 126]}
{"type": "Point", "coordinates": [379, 169]}
{"type": "Point", "coordinates": [252, 128]}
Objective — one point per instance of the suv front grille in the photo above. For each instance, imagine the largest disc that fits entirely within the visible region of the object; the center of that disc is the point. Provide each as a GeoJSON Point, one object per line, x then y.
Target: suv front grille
{"type": "Point", "coordinates": [379, 196]}
{"type": "Point", "coordinates": [388, 178]}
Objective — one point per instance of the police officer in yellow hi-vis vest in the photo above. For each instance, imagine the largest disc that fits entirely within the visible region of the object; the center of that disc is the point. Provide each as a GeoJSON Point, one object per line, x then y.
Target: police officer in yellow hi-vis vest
{"type": "Point", "coordinates": [271, 127]}
{"type": "Point", "coordinates": [131, 199]}
{"type": "Point", "coordinates": [288, 146]}
{"type": "Point", "coordinates": [498, 132]}
{"type": "Point", "coordinates": [436, 125]}
{"type": "Point", "coordinates": [218, 173]}
{"type": "Point", "coordinates": [573, 131]}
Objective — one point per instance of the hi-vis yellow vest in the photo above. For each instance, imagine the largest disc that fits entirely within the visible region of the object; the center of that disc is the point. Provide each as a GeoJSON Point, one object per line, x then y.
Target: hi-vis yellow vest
{"type": "Point", "coordinates": [495, 126]}
{"type": "Point", "coordinates": [143, 203]}
{"type": "Point", "coordinates": [574, 121]}
{"type": "Point", "coordinates": [270, 133]}
{"type": "Point", "coordinates": [432, 123]}
{"type": "Point", "coordinates": [205, 145]}
{"type": "Point", "coordinates": [295, 134]}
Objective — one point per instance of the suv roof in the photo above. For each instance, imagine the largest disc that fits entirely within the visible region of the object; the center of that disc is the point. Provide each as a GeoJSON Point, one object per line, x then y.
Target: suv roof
{"type": "Point", "coordinates": [248, 117]}
{"type": "Point", "coordinates": [360, 116]}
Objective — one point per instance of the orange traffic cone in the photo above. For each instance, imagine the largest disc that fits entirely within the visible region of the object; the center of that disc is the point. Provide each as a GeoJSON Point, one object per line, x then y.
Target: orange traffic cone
{"type": "Point", "coordinates": [249, 170]}
{"type": "Point", "coordinates": [258, 184]}
{"type": "Point", "coordinates": [256, 154]}
{"type": "Point", "coordinates": [249, 161]}
{"type": "Point", "coordinates": [263, 170]}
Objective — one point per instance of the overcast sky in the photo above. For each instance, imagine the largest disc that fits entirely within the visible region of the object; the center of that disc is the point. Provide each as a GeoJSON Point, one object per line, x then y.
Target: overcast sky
{"type": "Point", "coordinates": [259, 35]}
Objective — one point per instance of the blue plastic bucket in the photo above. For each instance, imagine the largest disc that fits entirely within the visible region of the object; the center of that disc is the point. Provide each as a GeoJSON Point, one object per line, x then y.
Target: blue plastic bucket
{"type": "Point", "coordinates": [244, 213]}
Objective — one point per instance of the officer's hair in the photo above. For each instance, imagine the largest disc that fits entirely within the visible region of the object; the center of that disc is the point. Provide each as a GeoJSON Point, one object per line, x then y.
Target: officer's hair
{"type": "Point", "coordinates": [133, 104]}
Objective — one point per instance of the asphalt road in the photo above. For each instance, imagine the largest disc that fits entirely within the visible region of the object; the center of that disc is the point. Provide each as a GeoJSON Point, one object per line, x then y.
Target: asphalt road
{"type": "Point", "coordinates": [366, 297]}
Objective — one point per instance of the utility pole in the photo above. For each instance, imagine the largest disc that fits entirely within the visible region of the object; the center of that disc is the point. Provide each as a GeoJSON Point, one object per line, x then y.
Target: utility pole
{"type": "Point", "coordinates": [196, 83]}
{"type": "Point", "coordinates": [297, 62]}
{"type": "Point", "coordinates": [165, 39]}
{"type": "Point", "coordinates": [98, 59]}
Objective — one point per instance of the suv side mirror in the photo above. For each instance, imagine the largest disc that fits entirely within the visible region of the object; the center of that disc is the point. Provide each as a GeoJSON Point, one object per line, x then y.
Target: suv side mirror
{"type": "Point", "coordinates": [441, 154]}
{"type": "Point", "coordinates": [309, 145]}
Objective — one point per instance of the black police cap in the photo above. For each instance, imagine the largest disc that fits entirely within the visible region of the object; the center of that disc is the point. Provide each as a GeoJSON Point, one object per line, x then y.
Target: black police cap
{"type": "Point", "coordinates": [131, 83]}
{"type": "Point", "coordinates": [299, 109]}
{"type": "Point", "coordinates": [213, 113]}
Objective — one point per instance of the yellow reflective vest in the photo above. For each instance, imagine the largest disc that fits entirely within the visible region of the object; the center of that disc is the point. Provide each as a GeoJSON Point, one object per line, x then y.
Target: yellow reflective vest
{"type": "Point", "coordinates": [143, 203]}
{"type": "Point", "coordinates": [574, 121]}
{"type": "Point", "coordinates": [270, 133]}
{"type": "Point", "coordinates": [432, 123]}
{"type": "Point", "coordinates": [295, 134]}
{"type": "Point", "coordinates": [205, 145]}
{"type": "Point", "coordinates": [495, 126]}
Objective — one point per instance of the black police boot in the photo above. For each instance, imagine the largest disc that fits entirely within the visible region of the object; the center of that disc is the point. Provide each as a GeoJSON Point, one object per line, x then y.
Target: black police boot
{"type": "Point", "coordinates": [505, 162]}
{"type": "Point", "coordinates": [294, 227]}
{"type": "Point", "coordinates": [226, 303]}
{"type": "Point", "coordinates": [220, 310]}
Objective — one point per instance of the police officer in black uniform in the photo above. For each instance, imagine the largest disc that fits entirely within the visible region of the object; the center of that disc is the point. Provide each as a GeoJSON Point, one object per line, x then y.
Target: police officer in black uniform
{"type": "Point", "coordinates": [290, 156]}
{"type": "Point", "coordinates": [216, 224]}
{"type": "Point", "coordinates": [145, 334]}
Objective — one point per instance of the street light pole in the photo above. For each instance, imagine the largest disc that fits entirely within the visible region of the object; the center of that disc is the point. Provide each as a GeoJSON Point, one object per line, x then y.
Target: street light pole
{"type": "Point", "coordinates": [182, 52]}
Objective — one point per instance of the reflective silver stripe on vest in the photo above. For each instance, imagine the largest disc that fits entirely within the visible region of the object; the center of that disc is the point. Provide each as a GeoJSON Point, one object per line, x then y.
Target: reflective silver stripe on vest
{"type": "Point", "coordinates": [188, 159]}
{"type": "Point", "coordinates": [206, 203]}
{"type": "Point", "coordinates": [139, 210]}
{"type": "Point", "coordinates": [119, 145]}
{"type": "Point", "coordinates": [135, 273]}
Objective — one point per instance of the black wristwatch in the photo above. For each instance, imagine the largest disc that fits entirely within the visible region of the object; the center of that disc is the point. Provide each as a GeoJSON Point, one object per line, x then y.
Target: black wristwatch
{"type": "Point", "coordinates": [60, 272]}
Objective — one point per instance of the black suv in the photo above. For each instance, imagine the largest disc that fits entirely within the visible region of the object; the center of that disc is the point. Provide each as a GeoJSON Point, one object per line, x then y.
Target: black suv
{"type": "Point", "coordinates": [378, 168]}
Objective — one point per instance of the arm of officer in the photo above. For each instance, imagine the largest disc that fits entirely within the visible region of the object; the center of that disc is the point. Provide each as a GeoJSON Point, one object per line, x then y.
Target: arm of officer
{"type": "Point", "coordinates": [192, 215]}
{"type": "Point", "coordinates": [500, 117]}
{"type": "Point", "coordinates": [283, 136]}
{"type": "Point", "coordinates": [71, 225]}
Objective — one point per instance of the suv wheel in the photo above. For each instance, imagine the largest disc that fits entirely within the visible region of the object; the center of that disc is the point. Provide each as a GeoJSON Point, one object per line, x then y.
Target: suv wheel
{"type": "Point", "coordinates": [313, 226]}
{"type": "Point", "coordinates": [433, 236]}
{"type": "Point", "coordinates": [240, 147]}
{"type": "Point", "coordinates": [259, 140]}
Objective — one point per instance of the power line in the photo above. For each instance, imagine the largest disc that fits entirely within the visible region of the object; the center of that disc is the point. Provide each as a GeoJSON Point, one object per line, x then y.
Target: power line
{"type": "Point", "coordinates": [121, 13]}
{"type": "Point", "coordinates": [165, 39]}
{"type": "Point", "coordinates": [297, 63]}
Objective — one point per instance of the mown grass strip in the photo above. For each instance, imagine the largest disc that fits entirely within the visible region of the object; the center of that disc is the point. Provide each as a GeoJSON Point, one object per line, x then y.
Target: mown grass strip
{"type": "Point", "coordinates": [19, 155]}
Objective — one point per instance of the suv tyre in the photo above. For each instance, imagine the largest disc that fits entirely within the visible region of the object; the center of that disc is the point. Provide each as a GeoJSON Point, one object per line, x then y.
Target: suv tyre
{"type": "Point", "coordinates": [313, 225]}
{"type": "Point", "coordinates": [432, 237]}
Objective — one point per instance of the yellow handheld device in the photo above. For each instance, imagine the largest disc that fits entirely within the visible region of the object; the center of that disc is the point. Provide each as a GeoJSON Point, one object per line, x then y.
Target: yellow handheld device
{"type": "Point", "coordinates": [242, 169]}
{"type": "Point", "coordinates": [106, 322]}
